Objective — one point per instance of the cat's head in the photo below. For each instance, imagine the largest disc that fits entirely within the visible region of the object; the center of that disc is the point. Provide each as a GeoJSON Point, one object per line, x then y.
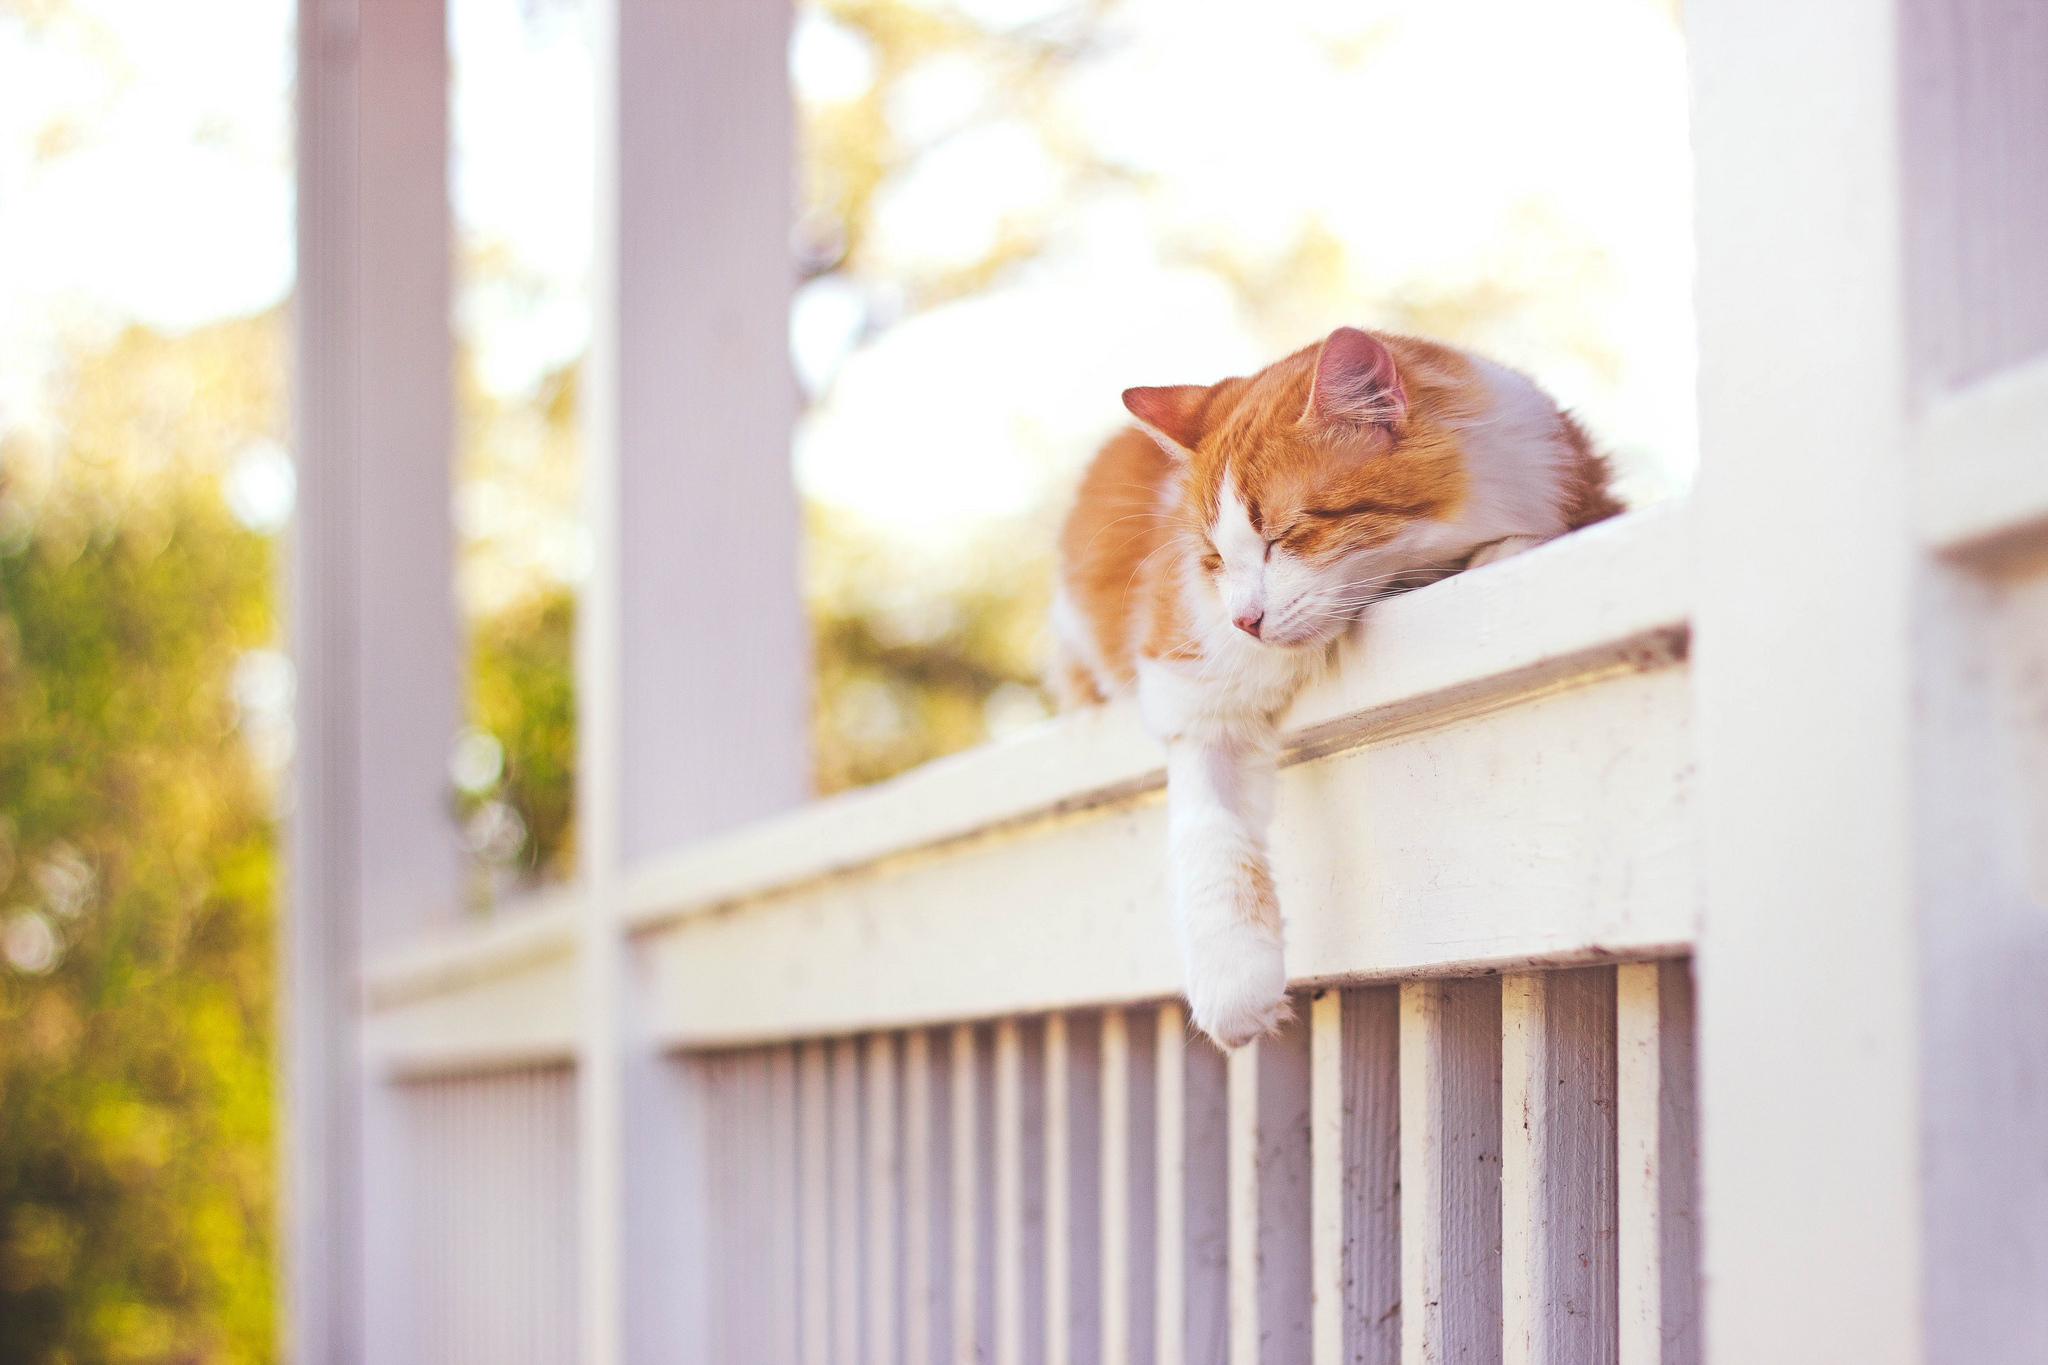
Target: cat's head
{"type": "Point", "coordinates": [1314, 485]}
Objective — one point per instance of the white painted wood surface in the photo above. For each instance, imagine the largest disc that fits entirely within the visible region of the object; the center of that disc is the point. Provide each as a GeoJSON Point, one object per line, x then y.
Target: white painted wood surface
{"type": "Point", "coordinates": [1423, 1138]}
{"type": "Point", "coordinates": [601, 627]}
{"type": "Point", "coordinates": [1980, 463]}
{"type": "Point", "coordinates": [1612, 597]}
{"type": "Point", "coordinates": [1083, 1314]}
{"type": "Point", "coordinates": [526, 1016]}
{"type": "Point", "coordinates": [815, 1201]}
{"type": "Point", "coordinates": [1808, 963]}
{"type": "Point", "coordinates": [690, 330]}
{"type": "Point", "coordinates": [523, 932]}
{"type": "Point", "coordinates": [375, 458]}
{"type": "Point", "coordinates": [372, 852]}
{"type": "Point", "coordinates": [1059, 1185]}
{"type": "Point", "coordinates": [687, 362]}
{"type": "Point", "coordinates": [1639, 1161]}
{"type": "Point", "coordinates": [1171, 1241]}
{"type": "Point", "coordinates": [1031, 1206]}
{"type": "Point", "coordinates": [879, 1261]}
{"type": "Point", "coordinates": [1985, 952]}
{"type": "Point", "coordinates": [784, 1294]}
{"type": "Point", "coordinates": [1657, 1158]}
{"type": "Point", "coordinates": [848, 1273]}
{"type": "Point", "coordinates": [1369, 1186]}
{"type": "Point", "coordinates": [1009, 1193]}
{"type": "Point", "coordinates": [920, 1247]}
{"type": "Point", "coordinates": [1075, 1148]}
{"type": "Point", "coordinates": [489, 1204]}
{"type": "Point", "coordinates": [1284, 1194]}
{"type": "Point", "coordinates": [751, 1174]}
{"type": "Point", "coordinates": [1242, 1143]}
{"type": "Point", "coordinates": [1390, 1142]}
{"type": "Point", "coordinates": [1559, 1274]}
{"type": "Point", "coordinates": [1202, 1256]}
{"type": "Point", "coordinates": [1327, 1153]}
{"type": "Point", "coordinates": [965, 1139]}
{"type": "Point", "coordinates": [1148, 1030]}
{"type": "Point", "coordinates": [1557, 830]}
{"type": "Point", "coordinates": [1972, 131]}
{"type": "Point", "coordinates": [1450, 1172]}
{"type": "Point", "coordinates": [1115, 1185]}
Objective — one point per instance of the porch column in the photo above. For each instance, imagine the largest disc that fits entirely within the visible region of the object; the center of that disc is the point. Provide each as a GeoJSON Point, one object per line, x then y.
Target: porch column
{"type": "Point", "coordinates": [693, 664]}
{"type": "Point", "coordinates": [1871, 655]}
{"type": "Point", "coordinates": [373, 850]}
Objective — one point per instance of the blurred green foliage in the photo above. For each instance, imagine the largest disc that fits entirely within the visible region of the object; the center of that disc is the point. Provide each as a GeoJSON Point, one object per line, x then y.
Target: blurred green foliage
{"type": "Point", "coordinates": [136, 866]}
{"type": "Point", "coordinates": [522, 693]}
{"type": "Point", "coordinates": [903, 674]}
{"type": "Point", "coordinates": [908, 664]}
{"type": "Point", "coordinates": [896, 683]}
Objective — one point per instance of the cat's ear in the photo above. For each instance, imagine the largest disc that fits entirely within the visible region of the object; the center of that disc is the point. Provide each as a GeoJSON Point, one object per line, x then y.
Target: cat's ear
{"type": "Point", "coordinates": [1171, 415]}
{"type": "Point", "coordinates": [1357, 381]}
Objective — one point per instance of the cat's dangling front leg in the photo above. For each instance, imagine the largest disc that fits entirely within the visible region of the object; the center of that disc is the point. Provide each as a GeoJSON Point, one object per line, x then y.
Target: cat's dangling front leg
{"type": "Point", "coordinates": [1219, 796]}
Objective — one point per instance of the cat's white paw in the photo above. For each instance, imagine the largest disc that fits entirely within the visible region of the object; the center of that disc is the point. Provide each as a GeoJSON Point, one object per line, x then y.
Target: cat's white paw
{"type": "Point", "coordinates": [1237, 984]}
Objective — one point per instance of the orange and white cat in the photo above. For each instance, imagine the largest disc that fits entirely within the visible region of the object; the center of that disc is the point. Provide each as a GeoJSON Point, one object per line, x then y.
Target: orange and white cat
{"type": "Point", "coordinates": [1217, 552]}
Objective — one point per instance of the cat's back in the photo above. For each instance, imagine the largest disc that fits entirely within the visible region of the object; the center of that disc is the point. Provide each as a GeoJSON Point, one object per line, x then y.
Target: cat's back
{"type": "Point", "coordinates": [1120, 522]}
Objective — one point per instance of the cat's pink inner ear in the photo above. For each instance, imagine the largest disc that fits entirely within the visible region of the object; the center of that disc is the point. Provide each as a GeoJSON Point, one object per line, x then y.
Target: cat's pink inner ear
{"type": "Point", "coordinates": [1357, 381]}
{"type": "Point", "coordinates": [1173, 414]}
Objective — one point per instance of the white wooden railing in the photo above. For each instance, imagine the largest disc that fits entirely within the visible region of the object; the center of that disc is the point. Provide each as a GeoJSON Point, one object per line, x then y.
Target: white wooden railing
{"type": "Point", "coordinates": [1793, 732]}
{"type": "Point", "coordinates": [943, 1108]}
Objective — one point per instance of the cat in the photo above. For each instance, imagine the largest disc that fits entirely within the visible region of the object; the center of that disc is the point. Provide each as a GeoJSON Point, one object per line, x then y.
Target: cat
{"type": "Point", "coordinates": [1220, 547]}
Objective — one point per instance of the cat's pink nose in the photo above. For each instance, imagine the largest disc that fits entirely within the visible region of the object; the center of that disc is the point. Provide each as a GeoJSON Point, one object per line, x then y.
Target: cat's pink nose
{"type": "Point", "coordinates": [1248, 622]}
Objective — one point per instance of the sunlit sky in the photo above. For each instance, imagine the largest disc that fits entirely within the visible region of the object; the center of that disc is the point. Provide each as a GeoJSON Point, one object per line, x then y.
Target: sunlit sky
{"type": "Point", "coordinates": [1446, 145]}
{"type": "Point", "coordinates": [144, 174]}
{"type": "Point", "coordinates": [145, 171]}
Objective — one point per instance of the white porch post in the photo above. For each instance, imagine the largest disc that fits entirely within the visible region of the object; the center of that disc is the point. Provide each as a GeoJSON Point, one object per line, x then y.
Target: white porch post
{"type": "Point", "coordinates": [1975, 159]}
{"type": "Point", "coordinates": [1809, 1002]}
{"type": "Point", "coordinates": [373, 850]}
{"type": "Point", "coordinates": [1873, 955]}
{"type": "Point", "coordinates": [693, 664]}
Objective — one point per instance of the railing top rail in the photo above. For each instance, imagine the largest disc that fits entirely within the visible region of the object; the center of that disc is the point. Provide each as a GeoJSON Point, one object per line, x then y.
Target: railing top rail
{"type": "Point", "coordinates": [961, 839]}
{"type": "Point", "coordinates": [1613, 595]}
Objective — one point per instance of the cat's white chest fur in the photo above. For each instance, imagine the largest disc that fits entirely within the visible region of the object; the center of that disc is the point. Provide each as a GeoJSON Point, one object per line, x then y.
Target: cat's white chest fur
{"type": "Point", "coordinates": [1229, 682]}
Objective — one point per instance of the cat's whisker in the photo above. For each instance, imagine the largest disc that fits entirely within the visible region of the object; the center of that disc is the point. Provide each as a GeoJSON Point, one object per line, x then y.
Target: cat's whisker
{"type": "Point", "coordinates": [1140, 568]}
{"type": "Point", "coordinates": [1132, 516]}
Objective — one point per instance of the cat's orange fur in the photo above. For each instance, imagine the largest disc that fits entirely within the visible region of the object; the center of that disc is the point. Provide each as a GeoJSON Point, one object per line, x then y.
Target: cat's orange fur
{"type": "Point", "coordinates": [1216, 550]}
{"type": "Point", "coordinates": [1137, 521]}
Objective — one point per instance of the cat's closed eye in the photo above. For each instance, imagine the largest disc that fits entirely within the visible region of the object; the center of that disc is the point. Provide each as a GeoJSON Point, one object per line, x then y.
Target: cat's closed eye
{"type": "Point", "coordinates": [1212, 561]}
{"type": "Point", "coordinates": [1356, 509]}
